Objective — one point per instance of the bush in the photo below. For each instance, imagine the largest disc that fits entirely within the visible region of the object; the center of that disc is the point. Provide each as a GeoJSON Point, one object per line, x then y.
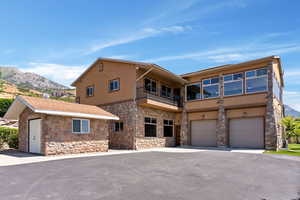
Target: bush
{"type": "Point", "coordinates": [4, 105]}
{"type": "Point", "coordinates": [9, 136]}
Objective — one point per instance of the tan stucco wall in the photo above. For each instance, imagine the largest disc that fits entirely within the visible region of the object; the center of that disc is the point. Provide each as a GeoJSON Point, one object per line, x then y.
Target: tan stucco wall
{"type": "Point", "coordinates": [203, 115]}
{"type": "Point", "coordinates": [100, 80]}
{"type": "Point", "coordinates": [246, 112]}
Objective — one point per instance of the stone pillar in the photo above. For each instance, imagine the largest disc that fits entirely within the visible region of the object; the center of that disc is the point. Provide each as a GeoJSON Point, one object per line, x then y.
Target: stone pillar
{"type": "Point", "coordinates": [184, 128]}
{"type": "Point", "coordinates": [222, 139]}
{"type": "Point", "coordinates": [270, 123]}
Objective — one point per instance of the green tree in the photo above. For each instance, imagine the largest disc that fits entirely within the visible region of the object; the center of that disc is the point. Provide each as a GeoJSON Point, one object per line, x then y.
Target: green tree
{"type": "Point", "coordinates": [4, 105]}
{"type": "Point", "coordinates": [291, 126]}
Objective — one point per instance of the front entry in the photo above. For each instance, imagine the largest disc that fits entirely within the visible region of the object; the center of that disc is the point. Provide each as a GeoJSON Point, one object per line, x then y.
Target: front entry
{"type": "Point", "coordinates": [34, 135]}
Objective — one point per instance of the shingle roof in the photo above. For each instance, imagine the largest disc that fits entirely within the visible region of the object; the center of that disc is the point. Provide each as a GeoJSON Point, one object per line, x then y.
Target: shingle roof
{"type": "Point", "coordinates": [55, 107]}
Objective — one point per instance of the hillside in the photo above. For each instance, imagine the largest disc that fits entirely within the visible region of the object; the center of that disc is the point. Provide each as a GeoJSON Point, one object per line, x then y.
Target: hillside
{"type": "Point", "coordinates": [29, 80]}
{"type": "Point", "coordinates": [289, 111]}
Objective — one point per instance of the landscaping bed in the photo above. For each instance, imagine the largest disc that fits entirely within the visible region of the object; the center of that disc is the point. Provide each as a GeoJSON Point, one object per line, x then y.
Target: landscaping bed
{"type": "Point", "coordinates": [293, 150]}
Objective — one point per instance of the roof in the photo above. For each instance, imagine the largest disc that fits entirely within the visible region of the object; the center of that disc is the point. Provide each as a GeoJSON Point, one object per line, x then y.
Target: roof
{"type": "Point", "coordinates": [230, 66]}
{"type": "Point", "coordinates": [55, 107]}
{"type": "Point", "coordinates": [135, 63]}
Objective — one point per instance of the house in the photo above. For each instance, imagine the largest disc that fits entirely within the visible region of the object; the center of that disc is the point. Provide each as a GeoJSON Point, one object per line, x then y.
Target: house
{"type": "Point", "coordinates": [237, 105]}
{"type": "Point", "coordinates": [50, 127]}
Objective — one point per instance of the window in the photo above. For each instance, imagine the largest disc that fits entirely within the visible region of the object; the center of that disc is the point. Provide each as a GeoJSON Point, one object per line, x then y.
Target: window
{"type": "Point", "coordinates": [80, 126]}
{"type": "Point", "coordinates": [193, 92]}
{"type": "Point", "coordinates": [210, 88]}
{"type": "Point", "coordinates": [90, 91]}
{"type": "Point", "coordinates": [100, 67]}
{"type": "Point", "coordinates": [168, 128]}
{"type": "Point", "coordinates": [150, 127]}
{"type": "Point", "coordinates": [118, 127]}
{"type": "Point", "coordinates": [150, 85]}
{"type": "Point", "coordinates": [233, 84]}
{"type": "Point", "coordinates": [114, 85]}
{"type": "Point", "coordinates": [276, 89]}
{"type": "Point", "coordinates": [256, 81]}
{"type": "Point", "coordinates": [166, 91]}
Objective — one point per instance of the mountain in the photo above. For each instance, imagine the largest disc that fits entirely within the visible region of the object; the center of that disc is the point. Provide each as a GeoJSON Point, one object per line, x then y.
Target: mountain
{"type": "Point", "coordinates": [289, 111]}
{"type": "Point", "coordinates": [29, 80]}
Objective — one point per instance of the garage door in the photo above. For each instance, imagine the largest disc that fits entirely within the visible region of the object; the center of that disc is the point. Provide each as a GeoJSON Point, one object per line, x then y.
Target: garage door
{"type": "Point", "coordinates": [35, 136]}
{"type": "Point", "coordinates": [203, 133]}
{"type": "Point", "coordinates": [246, 133]}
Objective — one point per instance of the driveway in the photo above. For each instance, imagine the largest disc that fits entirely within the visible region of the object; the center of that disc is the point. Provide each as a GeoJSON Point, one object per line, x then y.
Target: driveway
{"type": "Point", "coordinates": [156, 175]}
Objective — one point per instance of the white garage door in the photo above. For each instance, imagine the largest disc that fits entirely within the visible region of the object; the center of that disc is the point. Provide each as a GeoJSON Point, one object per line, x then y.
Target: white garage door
{"type": "Point", "coordinates": [35, 136]}
{"type": "Point", "coordinates": [247, 132]}
{"type": "Point", "coordinates": [203, 133]}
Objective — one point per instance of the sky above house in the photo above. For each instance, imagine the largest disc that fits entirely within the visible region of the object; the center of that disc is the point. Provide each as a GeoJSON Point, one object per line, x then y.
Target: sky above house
{"type": "Point", "coordinates": [60, 38]}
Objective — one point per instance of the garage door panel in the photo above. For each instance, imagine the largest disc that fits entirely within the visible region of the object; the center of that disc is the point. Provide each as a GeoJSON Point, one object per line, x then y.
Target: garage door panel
{"type": "Point", "coordinates": [246, 132]}
{"type": "Point", "coordinates": [203, 133]}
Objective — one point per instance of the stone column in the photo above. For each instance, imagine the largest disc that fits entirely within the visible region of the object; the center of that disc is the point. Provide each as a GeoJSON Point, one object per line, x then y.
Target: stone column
{"type": "Point", "coordinates": [222, 139]}
{"type": "Point", "coordinates": [184, 129]}
{"type": "Point", "coordinates": [270, 125]}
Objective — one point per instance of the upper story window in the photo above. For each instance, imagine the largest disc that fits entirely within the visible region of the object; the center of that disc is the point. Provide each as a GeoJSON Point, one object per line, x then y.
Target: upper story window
{"type": "Point", "coordinates": [118, 127]}
{"type": "Point", "coordinates": [211, 88]}
{"type": "Point", "coordinates": [150, 85]}
{"type": "Point", "coordinates": [80, 126]}
{"type": "Point", "coordinates": [150, 127]}
{"type": "Point", "coordinates": [166, 91]}
{"type": "Point", "coordinates": [233, 84]}
{"type": "Point", "coordinates": [257, 80]}
{"type": "Point", "coordinates": [193, 91]}
{"type": "Point", "coordinates": [277, 89]}
{"type": "Point", "coordinates": [90, 91]}
{"type": "Point", "coordinates": [114, 85]}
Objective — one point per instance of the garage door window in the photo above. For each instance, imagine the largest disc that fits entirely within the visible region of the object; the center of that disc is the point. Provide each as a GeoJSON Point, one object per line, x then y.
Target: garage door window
{"type": "Point", "coordinates": [233, 84]}
{"type": "Point", "coordinates": [80, 126]}
{"type": "Point", "coordinates": [150, 127]}
{"type": "Point", "coordinates": [210, 88]}
{"type": "Point", "coordinates": [256, 81]}
{"type": "Point", "coordinates": [168, 128]}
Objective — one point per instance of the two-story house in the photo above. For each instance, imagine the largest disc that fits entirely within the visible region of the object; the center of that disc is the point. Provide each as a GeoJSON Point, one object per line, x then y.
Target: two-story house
{"type": "Point", "coordinates": [238, 105]}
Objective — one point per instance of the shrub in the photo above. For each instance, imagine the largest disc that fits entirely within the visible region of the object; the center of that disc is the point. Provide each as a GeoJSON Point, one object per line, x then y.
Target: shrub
{"type": "Point", "coordinates": [4, 105]}
{"type": "Point", "coordinates": [9, 136]}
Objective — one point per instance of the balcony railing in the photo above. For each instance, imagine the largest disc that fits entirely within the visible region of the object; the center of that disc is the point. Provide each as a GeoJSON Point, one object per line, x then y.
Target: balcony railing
{"type": "Point", "coordinates": [159, 95]}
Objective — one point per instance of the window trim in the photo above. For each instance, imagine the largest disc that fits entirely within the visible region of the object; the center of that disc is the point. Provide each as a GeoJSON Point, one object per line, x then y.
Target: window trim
{"type": "Point", "coordinates": [247, 78]}
{"type": "Point", "coordinates": [89, 126]}
{"type": "Point", "coordinates": [243, 90]}
{"type": "Point", "coordinates": [150, 123]}
{"type": "Point", "coordinates": [168, 125]}
{"type": "Point", "coordinates": [119, 84]}
{"type": "Point", "coordinates": [203, 98]}
{"type": "Point", "coordinates": [88, 87]}
{"type": "Point", "coordinates": [195, 83]}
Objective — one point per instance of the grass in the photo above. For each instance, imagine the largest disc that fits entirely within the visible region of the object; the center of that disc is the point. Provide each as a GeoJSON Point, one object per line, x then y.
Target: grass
{"type": "Point", "coordinates": [293, 150]}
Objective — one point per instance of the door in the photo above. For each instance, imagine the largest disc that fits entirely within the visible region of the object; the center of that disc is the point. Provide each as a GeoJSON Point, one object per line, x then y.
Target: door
{"type": "Point", "coordinates": [247, 132]}
{"type": "Point", "coordinates": [35, 136]}
{"type": "Point", "coordinates": [177, 132]}
{"type": "Point", "coordinates": [203, 133]}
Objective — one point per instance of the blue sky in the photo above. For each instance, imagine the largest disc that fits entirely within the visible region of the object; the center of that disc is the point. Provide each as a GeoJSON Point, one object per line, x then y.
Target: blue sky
{"type": "Point", "coordinates": [60, 38]}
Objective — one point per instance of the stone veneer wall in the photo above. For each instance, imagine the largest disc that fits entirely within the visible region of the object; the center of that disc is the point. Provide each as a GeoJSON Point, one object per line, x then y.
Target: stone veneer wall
{"type": "Point", "coordinates": [127, 112]}
{"type": "Point", "coordinates": [57, 136]}
{"type": "Point", "coordinates": [142, 142]}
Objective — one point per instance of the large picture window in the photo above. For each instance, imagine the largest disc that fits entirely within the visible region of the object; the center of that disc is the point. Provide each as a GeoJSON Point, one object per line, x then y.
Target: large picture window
{"type": "Point", "coordinates": [193, 92]}
{"type": "Point", "coordinates": [257, 80]}
{"type": "Point", "coordinates": [233, 84]}
{"type": "Point", "coordinates": [166, 91]}
{"type": "Point", "coordinates": [150, 85]}
{"type": "Point", "coordinates": [168, 128]}
{"type": "Point", "coordinates": [150, 127]}
{"type": "Point", "coordinates": [80, 126]}
{"type": "Point", "coordinates": [211, 88]}
{"type": "Point", "coordinates": [276, 89]}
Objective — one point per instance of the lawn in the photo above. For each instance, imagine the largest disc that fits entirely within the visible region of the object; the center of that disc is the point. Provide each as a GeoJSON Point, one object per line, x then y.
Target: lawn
{"type": "Point", "coordinates": [293, 150]}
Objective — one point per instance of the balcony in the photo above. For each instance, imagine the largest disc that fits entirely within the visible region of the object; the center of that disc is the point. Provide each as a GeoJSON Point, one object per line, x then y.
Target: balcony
{"type": "Point", "coordinates": [159, 99]}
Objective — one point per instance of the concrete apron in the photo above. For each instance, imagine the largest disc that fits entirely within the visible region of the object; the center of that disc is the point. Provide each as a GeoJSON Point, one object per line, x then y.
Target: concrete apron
{"type": "Point", "coordinates": [17, 158]}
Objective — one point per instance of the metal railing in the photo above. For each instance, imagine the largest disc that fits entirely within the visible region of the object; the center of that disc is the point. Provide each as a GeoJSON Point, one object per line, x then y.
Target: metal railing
{"type": "Point", "coordinates": [159, 95]}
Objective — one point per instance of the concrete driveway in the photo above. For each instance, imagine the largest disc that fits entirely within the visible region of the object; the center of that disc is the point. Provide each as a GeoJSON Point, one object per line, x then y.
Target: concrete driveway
{"type": "Point", "coordinates": [156, 175]}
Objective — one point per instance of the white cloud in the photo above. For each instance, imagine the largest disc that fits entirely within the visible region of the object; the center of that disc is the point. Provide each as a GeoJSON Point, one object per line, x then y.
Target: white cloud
{"type": "Point", "coordinates": [121, 56]}
{"type": "Point", "coordinates": [63, 74]}
{"type": "Point", "coordinates": [291, 98]}
{"type": "Point", "coordinates": [143, 34]}
{"type": "Point", "coordinates": [233, 54]}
